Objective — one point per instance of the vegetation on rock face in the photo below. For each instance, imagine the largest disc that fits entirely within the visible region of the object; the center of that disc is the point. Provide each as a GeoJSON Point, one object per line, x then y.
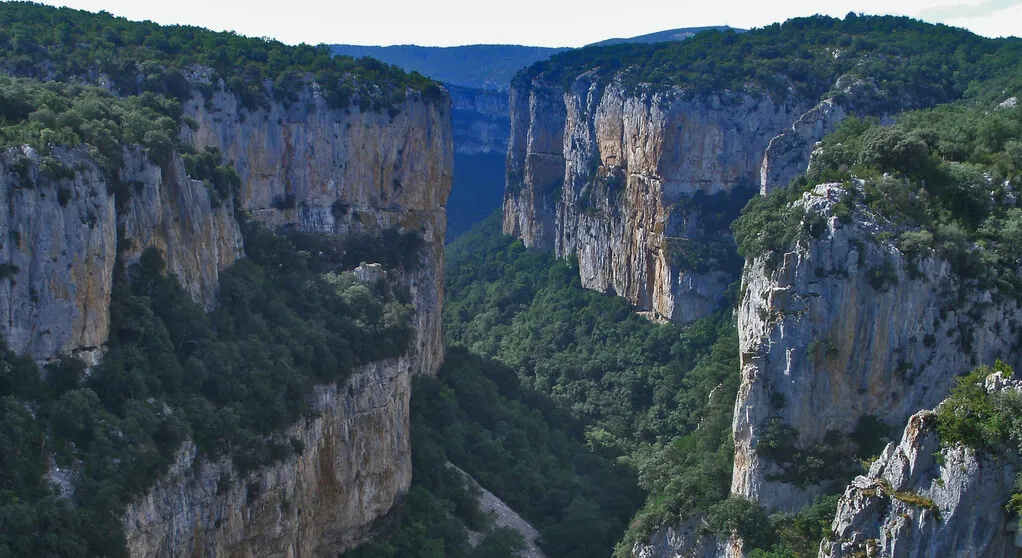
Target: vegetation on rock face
{"type": "Point", "coordinates": [989, 423]}
{"type": "Point", "coordinates": [290, 316]}
{"type": "Point", "coordinates": [910, 61]}
{"type": "Point", "coordinates": [61, 44]}
{"type": "Point", "coordinates": [942, 180]}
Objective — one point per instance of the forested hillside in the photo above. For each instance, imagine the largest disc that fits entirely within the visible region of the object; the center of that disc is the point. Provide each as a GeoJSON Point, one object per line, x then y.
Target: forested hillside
{"type": "Point", "coordinates": [136, 57]}
{"type": "Point", "coordinates": [905, 57]}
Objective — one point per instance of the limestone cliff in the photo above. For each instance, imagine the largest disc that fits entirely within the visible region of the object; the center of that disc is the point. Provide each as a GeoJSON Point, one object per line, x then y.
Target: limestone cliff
{"type": "Point", "coordinates": [922, 500]}
{"type": "Point", "coordinates": [61, 236]}
{"type": "Point", "coordinates": [354, 467]}
{"type": "Point", "coordinates": [847, 327]}
{"type": "Point", "coordinates": [688, 539]}
{"type": "Point", "coordinates": [303, 165]}
{"type": "Point", "coordinates": [634, 182]}
{"type": "Point", "coordinates": [320, 169]}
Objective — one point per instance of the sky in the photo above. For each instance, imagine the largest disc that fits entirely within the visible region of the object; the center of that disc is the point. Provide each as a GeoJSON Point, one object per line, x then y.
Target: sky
{"type": "Point", "coordinates": [528, 22]}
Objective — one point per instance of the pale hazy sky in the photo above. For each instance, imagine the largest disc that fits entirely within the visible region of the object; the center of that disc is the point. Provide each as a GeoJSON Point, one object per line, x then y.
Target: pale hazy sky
{"type": "Point", "coordinates": [530, 22]}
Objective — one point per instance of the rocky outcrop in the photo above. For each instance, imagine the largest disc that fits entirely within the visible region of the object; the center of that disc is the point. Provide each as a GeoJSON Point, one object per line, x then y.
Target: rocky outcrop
{"type": "Point", "coordinates": [788, 154]}
{"type": "Point", "coordinates": [351, 464]}
{"type": "Point", "coordinates": [688, 539]}
{"type": "Point", "coordinates": [846, 326]}
{"type": "Point", "coordinates": [321, 169]}
{"type": "Point", "coordinates": [619, 179]}
{"type": "Point", "coordinates": [60, 235]}
{"type": "Point", "coordinates": [923, 500]}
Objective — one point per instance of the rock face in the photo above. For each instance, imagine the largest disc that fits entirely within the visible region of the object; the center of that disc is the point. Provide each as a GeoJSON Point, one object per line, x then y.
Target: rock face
{"type": "Point", "coordinates": [921, 500]}
{"type": "Point", "coordinates": [62, 236]}
{"type": "Point", "coordinates": [622, 180]}
{"type": "Point", "coordinates": [688, 539]}
{"type": "Point", "coordinates": [306, 166]}
{"type": "Point", "coordinates": [336, 171]}
{"type": "Point", "coordinates": [320, 169]}
{"type": "Point", "coordinates": [354, 466]}
{"type": "Point", "coordinates": [788, 153]}
{"type": "Point", "coordinates": [846, 326]}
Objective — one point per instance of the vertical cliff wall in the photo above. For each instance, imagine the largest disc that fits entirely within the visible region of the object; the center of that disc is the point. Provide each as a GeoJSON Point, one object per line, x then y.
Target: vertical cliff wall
{"type": "Point", "coordinates": [624, 180]}
{"type": "Point", "coordinates": [844, 328]}
{"type": "Point", "coordinates": [319, 169]}
{"type": "Point", "coordinates": [302, 165]}
{"type": "Point", "coordinates": [61, 237]}
{"type": "Point", "coordinates": [354, 466]}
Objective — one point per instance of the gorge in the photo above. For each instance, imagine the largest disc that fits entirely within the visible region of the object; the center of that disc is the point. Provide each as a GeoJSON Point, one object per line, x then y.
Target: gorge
{"type": "Point", "coordinates": [748, 294]}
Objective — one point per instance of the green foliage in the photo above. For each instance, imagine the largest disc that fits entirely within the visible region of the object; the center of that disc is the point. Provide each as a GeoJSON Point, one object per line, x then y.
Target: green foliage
{"type": "Point", "coordinates": [141, 57]}
{"type": "Point", "coordinates": [798, 536]}
{"type": "Point", "coordinates": [288, 319]}
{"type": "Point", "coordinates": [831, 462]}
{"type": "Point", "coordinates": [986, 422]}
{"type": "Point", "coordinates": [972, 417]}
{"type": "Point", "coordinates": [908, 59]}
{"type": "Point", "coordinates": [642, 390]}
{"type": "Point", "coordinates": [883, 276]}
{"type": "Point", "coordinates": [769, 225]}
{"type": "Point", "coordinates": [221, 180]}
{"type": "Point", "coordinates": [69, 116]}
{"type": "Point", "coordinates": [940, 181]}
{"type": "Point", "coordinates": [523, 448]}
{"type": "Point", "coordinates": [743, 517]}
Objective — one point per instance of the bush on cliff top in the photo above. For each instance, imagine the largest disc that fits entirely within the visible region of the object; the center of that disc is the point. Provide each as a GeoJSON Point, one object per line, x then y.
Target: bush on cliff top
{"type": "Point", "coordinates": [46, 115]}
{"type": "Point", "coordinates": [66, 45]}
{"type": "Point", "coordinates": [913, 62]}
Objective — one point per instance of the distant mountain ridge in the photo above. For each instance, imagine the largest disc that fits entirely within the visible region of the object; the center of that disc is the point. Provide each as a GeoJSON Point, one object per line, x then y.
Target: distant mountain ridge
{"type": "Point", "coordinates": [477, 66]}
{"type": "Point", "coordinates": [489, 67]}
{"type": "Point", "coordinates": [679, 34]}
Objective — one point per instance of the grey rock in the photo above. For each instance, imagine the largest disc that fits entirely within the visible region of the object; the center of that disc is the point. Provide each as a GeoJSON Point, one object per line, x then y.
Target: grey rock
{"type": "Point", "coordinates": [913, 505]}
{"type": "Point", "coordinates": [817, 335]}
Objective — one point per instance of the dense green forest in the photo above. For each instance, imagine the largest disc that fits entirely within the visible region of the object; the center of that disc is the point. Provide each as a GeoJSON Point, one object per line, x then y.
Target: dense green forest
{"type": "Point", "coordinates": [911, 62]}
{"type": "Point", "coordinates": [522, 447]}
{"type": "Point", "coordinates": [61, 44]}
{"type": "Point", "coordinates": [640, 389]}
{"type": "Point", "coordinates": [290, 316]}
{"type": "Point", "coordinates": [657, 400]}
